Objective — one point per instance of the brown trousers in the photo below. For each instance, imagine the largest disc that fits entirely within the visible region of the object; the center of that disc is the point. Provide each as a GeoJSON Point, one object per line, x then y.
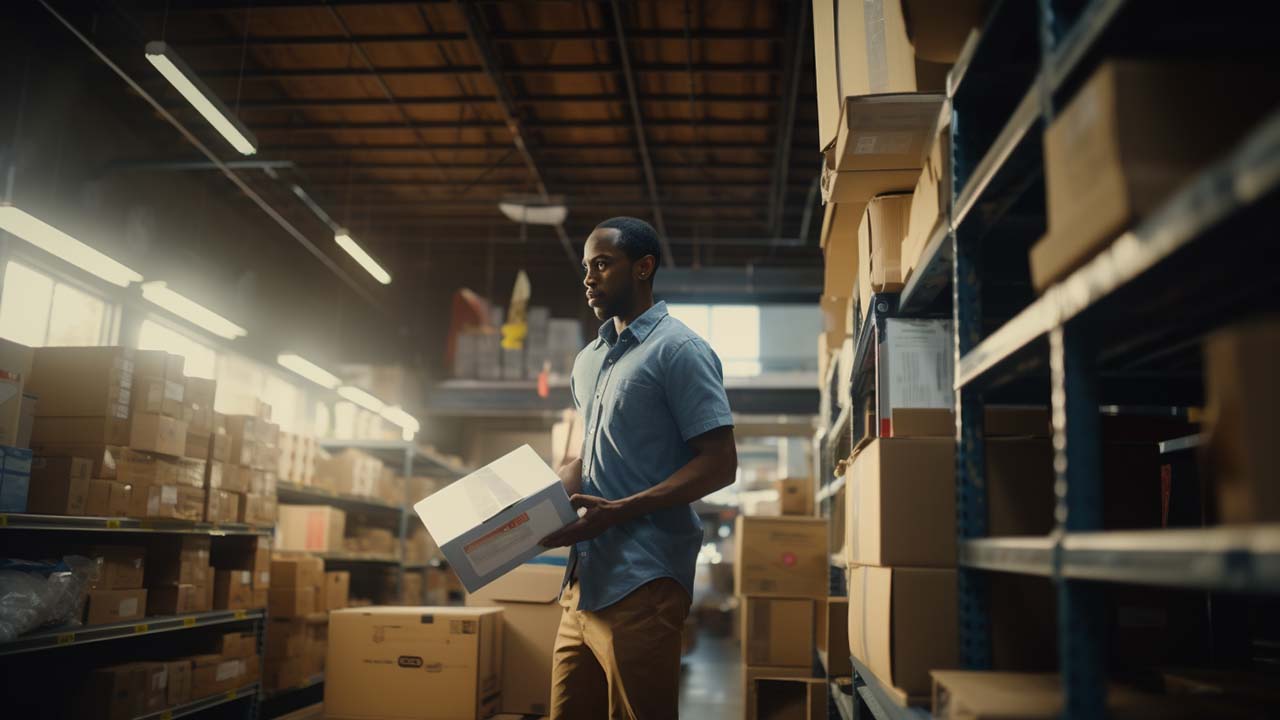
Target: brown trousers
{"type": "Point", "coordinates": [623, 662]}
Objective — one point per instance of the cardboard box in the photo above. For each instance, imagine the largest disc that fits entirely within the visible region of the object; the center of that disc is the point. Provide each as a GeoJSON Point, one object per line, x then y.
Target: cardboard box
{"type": "Point", "coordinates": [297, 571]}
{"type": "Point", "coordinates": [337, 587]}
{"type": "Point", "coordinates": [1239, 452]}
{"type": "Point", "coordinates": [796, 496]}
{"type": "Point", "coordinates": [790, 698]}
{"type": "Point", "coordinates": [971, 695]}
{"type": "Point", "coordinates": [179, 672]}
{"type": "Point", "coordinates": [108, 498]}
{"type": "Point", "coordinates": [115, 693]}
{"type": "Point", "coordinates": [15, 370]}
{"type": "Point", "coordinates": [235, 478]}
{"type": "Point", "coordinates": [528, 597]}
{"type": "Point", "coordinates": [351, 472]}
{"type": "Point", "coordinates": [879, 149]}
{"type": "Point", "coordinates": [313, 528]}
{"type": "Point", "coordinates": [924, 346]}
{"type": "Point", "coordinates": [490, 521]}
{"type": "Point", "coordinates": [997, 421]}
{"type": "Point", "coordinates": [938, 31]}
{"type": "Point", "coordinates": [214, 674]}
{"type": "Point", "coordinates": [376, 658]}
{"type": "Point", "coordinates": [58, 486]}
{"type": "Point", "coordinates": [167, 502]}
{"type": "Point", "coordinates": [158, 396]}
{"type": "Point", "coordinates": [221, 507]}
{"type": "Point", "coordinates": [290, 602]}
{"type": "Point", "coordinates": [82, 382]}
{"type": "Point", "coordinates": [903, 624]}
{"type": "Point", "coordinates": [220, 447]}
{"type": "Point", "coordinates": [783, 556]}
{"type": "Point", "coordinates": [880, 235]}
{"type": "Point", "coordinates": [777, 632]}
{"type": "Point", "coordinates": [284, 673]}
{"type": "Point", "coordinates": [175, 599]}
{"type": "Point", "coordinates": [113, 606]}
{"type": "Point", "coordinates": [257, 510]}
{"type": "Point", "coordinates": [931, 199]}
{"type": "Point", "coordinates": [1119, 149]}
{"type": "Point", "coordinates": [861, 49]}
{"type": "Point", "coordinates": [179, 559]}
{"type": "Point", "coordinates": [15, 478]}
{"type": "Point", "coordinates": [158, 434]}
{"type": "Point", "coordinates": [118, 567]}
{"type": "Point", "coordinates": [242, 431]}
{"type": "Point", "coordinates": [197, 445]}
{"type": "Point", "coordinates": [751, 674]}
{"type": "Point", "coordinates": [104, 457]}
{"type": "Point", "coordinates": [232, 589]}
{"type": "Point", "coordinates": [832, 636]}
{"type": "Point", "coordinates": [143, 468]}
{"type": "Point", "coordinates": [159, 364]}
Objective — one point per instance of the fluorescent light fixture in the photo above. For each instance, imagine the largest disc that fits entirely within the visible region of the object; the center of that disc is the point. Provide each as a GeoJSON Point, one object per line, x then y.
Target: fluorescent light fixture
{"type": "Point", "coordinates": [361, 398]}
{"type": "Point", "coordinates": [371, 266]}
{"type": "Point", "coordinates": [396, 415]}
{"type": "Point", "coordinates": [191, 311]}
{"type": "Point", "coordinates": [184, 79]}
{"type": "Point", "coordinates": [59, 244]}
{"type": "Point", "coordinates": [308, 370]}
{"type": "Point", "coordinates": [533, 211]}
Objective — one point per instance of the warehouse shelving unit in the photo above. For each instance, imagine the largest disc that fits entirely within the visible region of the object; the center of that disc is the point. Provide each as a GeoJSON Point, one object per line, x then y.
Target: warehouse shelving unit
{"type": "Point", "coordinates": [249, 692]}
{"type": "Point", "coordinates": [1098, 336]}
{"type": "Point", "coordinates": [80, 523]}
{"type": "Point", "coordinates": [65, 637]}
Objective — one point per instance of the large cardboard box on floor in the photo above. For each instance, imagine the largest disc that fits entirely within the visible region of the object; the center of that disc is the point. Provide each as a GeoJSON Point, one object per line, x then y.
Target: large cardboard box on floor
{"type": "Point", "coordinates": [530, 616]}
{"type": "Point", "coordinates": [777, 632]}
{"type": "Point", "coordinates": [782, 698]}
{"type": "Point", "coordinates": [864, 48]}
{"type": "Point", "coordinates": [781, 557]}
{"type": "Point", "coordinates": [413, 663]}
{"type": "Point", "coordinates": [751, 674]}
{"type": "Point", "coordinates": [313, 528]}
{"type": "Point", "coordinates": [903, 624]}
{"type": "Point", "coordinates": [880, 235]}
{"type": "Point", "coordinates": [489, 522]}
{"type": "Point", "coordinates": [1120, 148]}
{"type": "Point", "coordinates": [1240, 452]}
{"type": "Point", "coordinates": [831, 636]}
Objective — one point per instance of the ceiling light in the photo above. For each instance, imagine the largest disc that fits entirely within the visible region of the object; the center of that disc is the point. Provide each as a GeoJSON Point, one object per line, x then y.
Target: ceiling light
{"type": "Point", "coordinates": [344, 240]}
{"type": "Point", "coordinates": [184, 79]}
{"type": "Point", "coordinates": [361, 398]}
{"type": "Point", "coordinates": [191, 311]}
{"type": "Point", "coordinates": [396, 415]}
{"type": "Point", "coordinates": [59, 244]}
{"type": "Point", "coordinates": [533, 210]}
{"type": "Point", "coordinates": [308, 370]}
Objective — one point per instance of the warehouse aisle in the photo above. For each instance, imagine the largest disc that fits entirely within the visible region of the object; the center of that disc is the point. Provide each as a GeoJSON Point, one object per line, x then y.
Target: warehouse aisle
{"type": "Point", "coordinates": [711, 680]}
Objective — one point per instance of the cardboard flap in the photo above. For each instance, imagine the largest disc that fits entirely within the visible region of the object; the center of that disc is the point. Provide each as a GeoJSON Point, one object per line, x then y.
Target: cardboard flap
{"type": "Point", "coordinates": [529, 583]}
{"type": "Point", "coordinates": [885, 132]}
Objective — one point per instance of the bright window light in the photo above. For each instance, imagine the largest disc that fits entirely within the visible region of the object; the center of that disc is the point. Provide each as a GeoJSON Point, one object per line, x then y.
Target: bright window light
{"type": "Point", "coordinates": [189, 85]}
{"type": "Point", "coordinates": [59, 244]}
{"type": "Point", "coordinates": [308, 370]}
{"type": "Point", "coordinates": [371, 266]}
{"type": "Point", "coordinates": [38, 311]}
{"type": "Point", "coordinates": [285, 400]}
{"type": "Point", "coordinates": [199, 360]}
{"type": "Point", "coordinates": [733, 331]}
{"type": "Point", "coordinates": [361, 398]}
{"type": "Point", "coordinates": [344, 420]}
{"type": "Point", "coordinates": [191, 311]}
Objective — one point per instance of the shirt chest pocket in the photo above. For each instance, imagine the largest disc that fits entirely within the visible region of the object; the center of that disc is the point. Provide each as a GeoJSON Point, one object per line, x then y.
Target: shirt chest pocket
{"type": "Point", "coordinates": [634, 407]}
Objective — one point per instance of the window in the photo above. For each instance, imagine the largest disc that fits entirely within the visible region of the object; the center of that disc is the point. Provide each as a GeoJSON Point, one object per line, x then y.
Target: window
{"type": "Point", "coordinates": [733, 331]}
{"type": "Point", "coordinates": [285, 400]}
{"type": "Point", "coordinates": [39, 311]}
{"type": "Point", "coordinates": [199, 360]}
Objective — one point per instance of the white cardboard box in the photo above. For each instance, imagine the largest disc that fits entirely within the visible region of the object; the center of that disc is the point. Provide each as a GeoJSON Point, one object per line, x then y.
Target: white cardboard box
{"type": "Point", "coordinates": [914, 368]}
{"type": "Point", "coordinates": [490, 521]}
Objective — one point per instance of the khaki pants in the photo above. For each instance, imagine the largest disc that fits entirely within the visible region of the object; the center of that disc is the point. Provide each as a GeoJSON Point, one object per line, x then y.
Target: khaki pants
{"type": "Point", "coordinates": [623, 662]}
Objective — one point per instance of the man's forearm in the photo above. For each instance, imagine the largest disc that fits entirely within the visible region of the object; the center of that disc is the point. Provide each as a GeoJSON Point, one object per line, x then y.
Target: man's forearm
{"type": "Point", "coordinates": [570, 474]}
{"type": "Point", "coordinates": [701, 476]}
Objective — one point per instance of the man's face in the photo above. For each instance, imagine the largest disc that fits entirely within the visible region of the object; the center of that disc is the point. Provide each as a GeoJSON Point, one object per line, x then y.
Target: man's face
{"type": "Point", "coordinates": [610, 278]}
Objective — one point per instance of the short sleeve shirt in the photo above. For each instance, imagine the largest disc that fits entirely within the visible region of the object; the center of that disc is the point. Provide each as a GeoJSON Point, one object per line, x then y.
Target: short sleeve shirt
{"type": "Point", "coordinates": [643, 394]}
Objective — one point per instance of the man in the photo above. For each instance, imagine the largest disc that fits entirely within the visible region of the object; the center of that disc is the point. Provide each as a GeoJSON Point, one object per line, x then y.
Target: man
{"type": "Point", "coordinates": [658, 436]}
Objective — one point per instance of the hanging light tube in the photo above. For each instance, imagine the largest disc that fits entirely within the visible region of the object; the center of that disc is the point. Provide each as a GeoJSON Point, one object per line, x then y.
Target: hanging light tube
{"type": "Point", "coordinates": [343, 237]}
{"type": "Point", "coordinates": [361, 398]}
{"type": "Point", "coordinates": [22, 224]}
{"type": "Point", "coordinates": [396, 415]}
{"type": "Point", "coordinates": [186, 82]}
{"type": "Point", "coordinates": [308, 370]}
{"type": "Point", "coordinates": [192, 311]}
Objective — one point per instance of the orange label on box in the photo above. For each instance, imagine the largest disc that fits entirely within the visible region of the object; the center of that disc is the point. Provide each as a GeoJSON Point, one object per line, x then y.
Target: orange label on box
{"type": "Point", "coordinates": [516, 522]}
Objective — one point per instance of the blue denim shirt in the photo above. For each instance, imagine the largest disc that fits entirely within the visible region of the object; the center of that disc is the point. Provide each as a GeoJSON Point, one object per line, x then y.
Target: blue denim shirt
{"type": "Point", "coordinates": [642, 395]}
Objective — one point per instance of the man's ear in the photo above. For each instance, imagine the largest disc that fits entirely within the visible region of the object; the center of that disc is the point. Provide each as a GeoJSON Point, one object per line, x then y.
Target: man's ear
{"type": "Point", "coordinates": [645, 267]}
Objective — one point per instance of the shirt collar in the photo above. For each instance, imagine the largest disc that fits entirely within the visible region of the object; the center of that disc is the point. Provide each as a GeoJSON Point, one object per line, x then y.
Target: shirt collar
{"type": "Point", "coordinates": [639, 328]}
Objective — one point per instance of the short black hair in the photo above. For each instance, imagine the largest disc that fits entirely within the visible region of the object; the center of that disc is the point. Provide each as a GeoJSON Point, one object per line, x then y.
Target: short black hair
{"type": "Point", "coordinates": [636, 238]}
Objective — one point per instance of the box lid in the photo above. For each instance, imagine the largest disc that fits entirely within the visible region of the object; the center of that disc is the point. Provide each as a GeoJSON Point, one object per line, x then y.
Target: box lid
{"type": "Point", "coordinates": [462, 505]}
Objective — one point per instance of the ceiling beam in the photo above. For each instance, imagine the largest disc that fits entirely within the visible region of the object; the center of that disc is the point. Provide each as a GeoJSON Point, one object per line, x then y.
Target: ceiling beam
{"type": "Point", "coordinates": [501, 37]}
{"type": "Point", "coordinates": [532, 123]}
{"type": "Point", "coordinates": [478, 36]}
{"type": "Point", "coordinates": [371, 182]}
{"type": "Point", "coordinates": [545, 147]}
{"type": "Point", "coordinates": [516, 70]}
{"type": "Point", "coordinates": [794, 49]}
{"type": "Point", "coordinates": [433, 100]}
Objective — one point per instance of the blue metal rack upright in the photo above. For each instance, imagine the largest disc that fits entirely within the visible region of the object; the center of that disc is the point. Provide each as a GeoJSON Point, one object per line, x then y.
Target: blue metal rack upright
{"type": "Point", "coordinates": [1159, 285]}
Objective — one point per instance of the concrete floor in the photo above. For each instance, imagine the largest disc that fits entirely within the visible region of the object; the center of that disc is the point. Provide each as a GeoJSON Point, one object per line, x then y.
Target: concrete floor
{"type": "Point", "coordinates": [711, 680]}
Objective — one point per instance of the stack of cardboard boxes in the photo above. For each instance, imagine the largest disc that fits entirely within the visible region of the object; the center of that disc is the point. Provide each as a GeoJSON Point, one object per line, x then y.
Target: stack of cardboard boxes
{"type": "Point", "coordinates": [116, 590]}
{"type": "Point", "coordinates": [783, 576]}
{"type": "Point", "coordinates": [179, 577]}
{"type": "Point", "coordinates": [351, 472]}
{"type": "Point", "coordinates": [251, 470]}
{"type": "Point", "coordinates": [242, 574]}
{"type": "Point", "coordinates": [311, 528]}
{"type": "Point", "coordinates": [233, 664]}
{"type": "Point", "coordinates": [133, 689]}
{"type": "Point", "coordinates": [17, 414]}
{"type": "Point", "coordinates": [302, 596]}
{"type": "Point", "coordinates": [298, 457]}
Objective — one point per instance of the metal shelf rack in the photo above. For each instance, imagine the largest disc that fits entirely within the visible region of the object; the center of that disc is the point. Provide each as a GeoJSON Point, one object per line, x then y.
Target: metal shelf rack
{"type": "Point", "coordinates": [67, 637]}
{"type": "Point", "coordinates": [195, 706]}
{"type": "Point", "coordinates": [80, 523]}
{"type": "Point", "coordinates": [879, 702]}
{"type": "Point", "coordinates": [1163, 284]}
{"type": "Point", "coordinates": [302, 494]}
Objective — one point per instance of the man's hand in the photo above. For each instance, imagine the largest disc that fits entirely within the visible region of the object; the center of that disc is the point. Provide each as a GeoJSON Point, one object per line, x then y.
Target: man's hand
{"type": "Point", "coordinates": [600, 515]}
